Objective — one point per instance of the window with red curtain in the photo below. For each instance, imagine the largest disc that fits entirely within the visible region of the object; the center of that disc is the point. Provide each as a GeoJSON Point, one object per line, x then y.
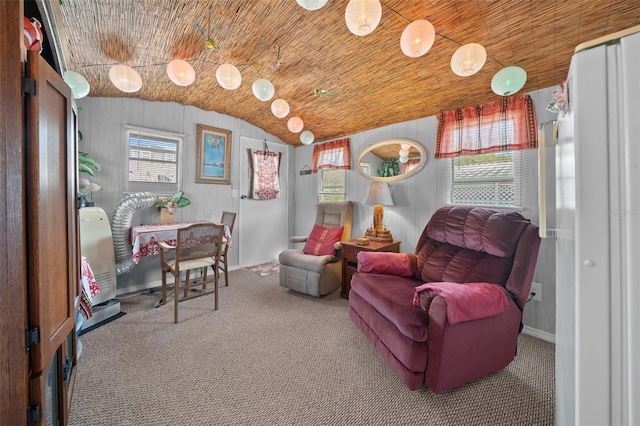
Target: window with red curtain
{"type": "Point", "coordinates": [503, 125]}
{"type": "Point", "coordinates": [331, 155]}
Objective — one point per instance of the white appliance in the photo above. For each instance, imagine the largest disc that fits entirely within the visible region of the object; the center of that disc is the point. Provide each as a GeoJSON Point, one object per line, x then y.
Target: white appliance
{"type": "Point", "coordinates": [96, 244]}
{"type": "Point", "coordinates": [597, 165]}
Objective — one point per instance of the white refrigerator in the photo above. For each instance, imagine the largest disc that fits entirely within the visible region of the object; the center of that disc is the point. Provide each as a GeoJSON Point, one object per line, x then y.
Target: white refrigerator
{"type": "Point", "coordinates": [597, 216]}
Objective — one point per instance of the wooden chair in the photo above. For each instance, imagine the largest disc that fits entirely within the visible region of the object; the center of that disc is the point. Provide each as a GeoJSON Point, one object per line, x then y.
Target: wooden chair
{"type": "Point", "coordinates": [197, 246]}
{"type": "Point", "coordinates": [229, 219]}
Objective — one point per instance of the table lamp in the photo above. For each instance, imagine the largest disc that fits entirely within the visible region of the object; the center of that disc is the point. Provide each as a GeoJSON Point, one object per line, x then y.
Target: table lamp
{"type": "Point", "coordinates": [379, 195]}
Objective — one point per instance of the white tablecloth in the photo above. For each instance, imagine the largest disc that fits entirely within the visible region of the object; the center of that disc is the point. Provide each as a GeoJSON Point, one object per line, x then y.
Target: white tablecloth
{"type": "Point", "coordinates": [144, 237]}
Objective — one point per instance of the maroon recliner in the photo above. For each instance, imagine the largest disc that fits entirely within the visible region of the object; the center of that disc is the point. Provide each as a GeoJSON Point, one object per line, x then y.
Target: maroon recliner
{"type": "Point", "coordinates": [460, 244]}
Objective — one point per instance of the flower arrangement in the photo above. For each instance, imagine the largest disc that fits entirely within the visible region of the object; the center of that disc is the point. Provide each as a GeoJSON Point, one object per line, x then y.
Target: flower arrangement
{"type": "Point", "coordinates": [172, 202]}
{"type": "Point", "coordinates": [86, 190]}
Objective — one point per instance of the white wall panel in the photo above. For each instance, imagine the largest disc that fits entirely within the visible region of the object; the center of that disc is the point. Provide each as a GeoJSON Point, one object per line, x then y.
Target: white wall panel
{"type": "Point", "coordinates": [102, 119]}
{"type": "Point", "coordinates": [102, 122]}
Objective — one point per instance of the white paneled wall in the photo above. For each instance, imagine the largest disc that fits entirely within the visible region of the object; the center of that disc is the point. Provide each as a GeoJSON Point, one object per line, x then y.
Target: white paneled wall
{"type": "Point", "coordinates": [102, 122]}
{"type": "Point", "coordinates": [416, 198]}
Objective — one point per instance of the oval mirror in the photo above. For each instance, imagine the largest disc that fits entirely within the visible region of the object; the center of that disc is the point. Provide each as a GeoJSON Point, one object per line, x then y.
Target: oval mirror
{"type": "Point", "coordinates": [391, 160]}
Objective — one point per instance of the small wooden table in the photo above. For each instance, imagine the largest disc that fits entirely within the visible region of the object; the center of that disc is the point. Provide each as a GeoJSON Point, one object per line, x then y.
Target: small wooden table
{"type": "Point", "coordinates": [350, 263]}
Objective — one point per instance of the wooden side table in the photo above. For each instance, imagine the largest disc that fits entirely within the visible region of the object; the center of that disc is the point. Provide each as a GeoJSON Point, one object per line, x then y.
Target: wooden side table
{"type": "Point", "coordinates": [350, 263]}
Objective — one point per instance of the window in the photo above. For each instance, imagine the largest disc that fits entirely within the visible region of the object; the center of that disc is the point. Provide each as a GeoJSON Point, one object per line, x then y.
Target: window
{"type": "Point", "coordinates": [152, 161]}
{"type": "Point", "coordinates": [331, 185]}
{"type": "Point", "coordinates": [489, 180]}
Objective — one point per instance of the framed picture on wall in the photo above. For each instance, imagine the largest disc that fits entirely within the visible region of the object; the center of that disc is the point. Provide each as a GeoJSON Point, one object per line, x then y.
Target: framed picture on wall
{"type": "Point", "coordinates": [213, 155]}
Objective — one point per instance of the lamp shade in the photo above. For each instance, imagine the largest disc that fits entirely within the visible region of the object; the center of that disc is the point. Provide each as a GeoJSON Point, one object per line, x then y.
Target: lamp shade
{"type": "Point", "coordinates": [295, 124]}
{"type": "Point", "coordinates": [181, 72]}
{"type": "Point", "coordinates": [263, 89]}
{"type": "Point", "coordinates": [508, 80]}
{"type": "Point", "coordinates": [363, 16]}
{"type": "Point", "coordinates": [468, 59]}
{"type": "Point", "coordinates": [417, 38]}
{"type": "Point", "coordinates": [78, 84]}
{"type": "Point", "coordinates": [280, 108]}
{"type": "Point", "coordinates": [125, 78]}
{"type": "Point", "coordinates": [379, 194]}
{"type": "Point", "coordinates": [311, 4]}
{"type": "Point", "coordinates": [306, 137]}
{"type": "Point", "coordinates": [228, 76]}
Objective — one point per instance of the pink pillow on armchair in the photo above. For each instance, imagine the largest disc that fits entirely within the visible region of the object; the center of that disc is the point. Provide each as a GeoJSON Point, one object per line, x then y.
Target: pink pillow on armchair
{"type": "Point", "coordinates": [398, 264]}
{"type": "Point", "coordinates": [321, 241]}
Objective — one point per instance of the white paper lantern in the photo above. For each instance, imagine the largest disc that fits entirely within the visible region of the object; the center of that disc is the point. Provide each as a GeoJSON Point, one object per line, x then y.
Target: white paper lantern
{"type": "Point", "coordinates": [362, 16]}
{"type": "Point", "coordinates": [312, 4]}
{"type": "Point", "coordinates": [228, 76]}
{"type": "Point", "coordinates": [508, 80]}
{"type": "Point", "coordinates": [403, 159]}
{"type": "Point", "coordinates": [125, 78]}
{"type": "Point", "coordinates": [78, 84]}
{"type": "Point", "coordinates": [417, 38]}
{"type": "Point", "coordinates": [263, 89]}
{"type": "Point", "coordinates": [181, 72]}
{"type": "Point", "coordinates": [280, 108]}
{"type": "Point", "coordinates": [306, 137]}
{"type": "Point", "coordinates": [468, 59]}
{"type": "Point", "coordinates": [295, 124]}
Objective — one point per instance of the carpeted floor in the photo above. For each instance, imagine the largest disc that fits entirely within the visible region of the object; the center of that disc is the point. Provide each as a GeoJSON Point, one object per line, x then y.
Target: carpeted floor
{"type": "Point", "coordinates": [270, 356]}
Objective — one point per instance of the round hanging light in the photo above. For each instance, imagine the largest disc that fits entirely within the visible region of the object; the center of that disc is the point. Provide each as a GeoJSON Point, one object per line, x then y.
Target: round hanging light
{"type": "Point", "coordinates": [295, 124]}
{"type": "Point", "coordinates": [403, 159]}
{"type": "Point", "coordinates": [280, 108]}
{"type": "Point", "coordinates": [362, 16]}
{"type": "Point", "coordinates": [468, 59]}
{"type": "Point", "coordinates": [508, 80]}
{"type": "Point", "coordinates": [181, 72]}
{"type": "Point", "coordinates": [228, 76]}
{"type": "Point", "coordinates": [417, 38]}
{"type": "Point", "coordinates": [306, 137]}
{"type": "Point", "coordinates": [125, 78]}
{"type": "Point", "coordinates": [263, 89]}
{"type": "Point", "coordinates": [78, 84]}
{"type": "Point", "coordinates": [311, 4]}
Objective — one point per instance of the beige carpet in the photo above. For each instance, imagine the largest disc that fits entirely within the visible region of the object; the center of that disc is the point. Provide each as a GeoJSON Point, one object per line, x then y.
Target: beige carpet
{"type": "Point", "coordinates": [270, 356]}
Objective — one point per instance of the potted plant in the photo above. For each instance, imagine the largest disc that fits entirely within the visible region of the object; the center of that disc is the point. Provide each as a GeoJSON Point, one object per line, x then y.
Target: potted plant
{"type": "Point", "coordinates": [167, 204]}
{"type": "Point", "coordinates": [86, 188]}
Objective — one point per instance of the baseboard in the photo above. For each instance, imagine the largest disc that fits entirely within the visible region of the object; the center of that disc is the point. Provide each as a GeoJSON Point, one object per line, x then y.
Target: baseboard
{"type": "Point", "coordinates": [149, 285]}
{"type": "Point", "coordinates": [544, 335]}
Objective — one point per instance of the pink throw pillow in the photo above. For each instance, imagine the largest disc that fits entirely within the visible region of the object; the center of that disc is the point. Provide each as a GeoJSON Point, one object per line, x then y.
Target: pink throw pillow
{"type": "Point", "coordinates": [321, 241]}
{"type": "Point", "coordinates": [398, 264]}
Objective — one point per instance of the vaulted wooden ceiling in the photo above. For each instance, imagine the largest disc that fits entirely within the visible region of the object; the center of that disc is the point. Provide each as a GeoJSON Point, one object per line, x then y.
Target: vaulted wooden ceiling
{"type": "Point", "coordinates": [368, 81]}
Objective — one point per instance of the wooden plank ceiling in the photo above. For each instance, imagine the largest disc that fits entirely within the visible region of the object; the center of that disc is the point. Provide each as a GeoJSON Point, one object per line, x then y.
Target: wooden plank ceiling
{"type": "Point", "coordinates": [368, 81]}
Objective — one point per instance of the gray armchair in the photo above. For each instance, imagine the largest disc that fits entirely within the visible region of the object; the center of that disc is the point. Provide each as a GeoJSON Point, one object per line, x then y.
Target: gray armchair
{"type": "Point", "coordinates": [317, 275]}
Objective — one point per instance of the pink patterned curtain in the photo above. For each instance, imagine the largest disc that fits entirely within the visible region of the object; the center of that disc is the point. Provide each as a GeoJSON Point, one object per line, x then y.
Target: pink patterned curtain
{"type": "Point", "coordinates": [265, 175]}
{"type": "Point", "coordinates": [503, 125]}
{"type": "Point", "coordinates": [331, 155]}
{"type": "Point", "coordinates": [409, 165]}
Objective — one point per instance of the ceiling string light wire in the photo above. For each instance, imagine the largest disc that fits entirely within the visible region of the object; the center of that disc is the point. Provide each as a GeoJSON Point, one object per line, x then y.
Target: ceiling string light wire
{"type": "Point", "coordinates": [467, 60]}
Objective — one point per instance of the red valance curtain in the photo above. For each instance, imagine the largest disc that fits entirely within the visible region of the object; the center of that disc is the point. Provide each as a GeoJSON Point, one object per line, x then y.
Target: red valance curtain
{"type": "Point", "coordinates": [503, 125]}
{"type": "Point", "coordinates": [410, 165]}
{"type": "Point", "coordinates": [331, 155]}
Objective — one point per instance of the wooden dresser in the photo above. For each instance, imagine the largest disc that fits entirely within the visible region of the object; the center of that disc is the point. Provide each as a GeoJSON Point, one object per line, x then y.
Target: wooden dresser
{"type": "Point", "coordinates": [350, 263]}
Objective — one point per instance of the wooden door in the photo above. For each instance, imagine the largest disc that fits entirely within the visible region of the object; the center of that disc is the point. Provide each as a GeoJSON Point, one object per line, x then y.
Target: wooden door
{"type": "Point", "coordinates": [53, 272]}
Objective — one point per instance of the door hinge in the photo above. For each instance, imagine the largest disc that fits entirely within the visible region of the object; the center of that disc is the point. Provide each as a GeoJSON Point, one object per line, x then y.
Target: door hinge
{"type": "Point", "coordinates": [32, 337]}
{"type": "Point", "coordinates": [67, 369]}
{"type": "Point", "coordinates": [33, 414]}
{"type": "Point", "coordinates": [28, 86]}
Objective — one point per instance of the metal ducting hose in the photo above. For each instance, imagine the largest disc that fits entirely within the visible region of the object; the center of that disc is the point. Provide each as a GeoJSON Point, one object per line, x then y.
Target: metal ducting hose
{"type": "Point", "coordinates": [121, 228]}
